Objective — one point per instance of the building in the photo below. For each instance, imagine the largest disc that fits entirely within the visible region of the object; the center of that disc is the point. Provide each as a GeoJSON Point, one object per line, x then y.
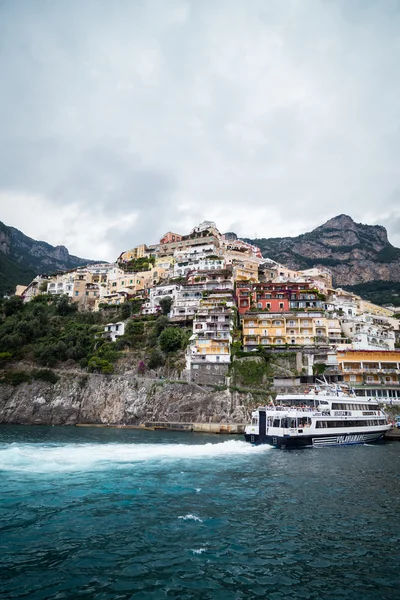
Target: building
{"type": "Point", "coordinates": [372, 373]}
{"type": "Point", "coordinates": [112, 331]}
{"type": "Point", "coordinates": [152, 305]}
{"type": "Point", "coordinates": [278, 329]}
{"type": "Point", "coordinates": [170, 237]}
{"type": "Point", "coordinates": [140, 251]}
{"type": "Point", "coordinates": [368, 332]}
{"type": "Point", "coordinates": [275, 296]}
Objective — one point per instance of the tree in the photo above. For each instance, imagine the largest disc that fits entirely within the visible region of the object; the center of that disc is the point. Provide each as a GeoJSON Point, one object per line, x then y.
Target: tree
{"type": "Point", "coordinates": [171, 339]}
{"type": "Point", "coordinates": [165, 304]}
{"type": "Point", "coordinates": [125, 311]}
{"type": "Point", "coordinates": [156, 359]}
{"type": "Point", "coordinates": [160, 324]}
{"type": "Point", "coordinates": [13, 305]}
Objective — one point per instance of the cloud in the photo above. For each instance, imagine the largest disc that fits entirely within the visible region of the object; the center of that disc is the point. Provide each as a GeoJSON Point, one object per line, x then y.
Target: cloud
{"type": "Point", "coordinates": [120, 121]}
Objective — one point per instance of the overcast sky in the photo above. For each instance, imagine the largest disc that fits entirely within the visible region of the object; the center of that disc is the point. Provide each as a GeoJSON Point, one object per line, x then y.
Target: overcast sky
{"type": "Point", "coordinates": [123, 119]}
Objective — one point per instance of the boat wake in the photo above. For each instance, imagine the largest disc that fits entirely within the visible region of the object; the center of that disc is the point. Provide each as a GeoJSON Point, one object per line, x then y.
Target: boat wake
{"type": "Point", "coordinates": [40, 458]}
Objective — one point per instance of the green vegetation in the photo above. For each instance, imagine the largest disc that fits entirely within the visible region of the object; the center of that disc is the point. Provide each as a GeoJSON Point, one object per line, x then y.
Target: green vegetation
{"type": "Point", "coordinates": [20, 266]}
{"type": "Point", "coordinates": [13, 274]}
{"type": "Point", "coordinates": [165, 304]}
{"type": "Point", "coordinates": [379, 292]}
{"type": "Point", "coordinates": [251, 371]}
{"type": "Point", "coordinates": [136, 265]}
{"type": "Point", "coordinates": [15, 378]}
{"type": "Point", "coordinates": [50, 330]}
{"type": "Point", "coordinates": [171, 339]}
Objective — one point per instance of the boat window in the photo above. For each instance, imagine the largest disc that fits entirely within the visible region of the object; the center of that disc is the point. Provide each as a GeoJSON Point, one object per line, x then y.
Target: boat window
{"type": "Point", "coordinates": [276, 422]}
{"type": "Point", "coordinates": [254, 421]}
{"type": "Point", "coordinates": [304, 422]}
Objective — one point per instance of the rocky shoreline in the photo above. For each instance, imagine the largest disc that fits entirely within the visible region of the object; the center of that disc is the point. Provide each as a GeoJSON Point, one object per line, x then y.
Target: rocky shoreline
{"type": "Point", "coordinates": [123, 400]}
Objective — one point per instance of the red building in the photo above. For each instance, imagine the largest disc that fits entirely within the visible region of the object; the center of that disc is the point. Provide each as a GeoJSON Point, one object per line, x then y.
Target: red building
{"type": "Point", "coordinates": [275, 297]}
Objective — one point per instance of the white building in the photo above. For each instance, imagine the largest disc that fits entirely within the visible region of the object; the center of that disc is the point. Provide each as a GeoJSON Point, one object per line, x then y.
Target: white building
{"type": "Point", "coordinates": [114, 330]}
{"type": "Point", "coordinates": [368, 332]}
{"type": "Point", "coordinates": [152, 305]}
{"type": "Point", "coordinates": [62, 284]}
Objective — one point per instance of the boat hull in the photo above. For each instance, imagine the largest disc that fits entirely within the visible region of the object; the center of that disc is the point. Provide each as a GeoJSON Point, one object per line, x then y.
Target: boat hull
{"type": "Point", "coordinates": [316, 441]}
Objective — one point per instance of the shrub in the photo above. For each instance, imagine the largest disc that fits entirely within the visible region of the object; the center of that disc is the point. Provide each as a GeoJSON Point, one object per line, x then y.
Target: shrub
{"type": "Point", "coordinates": [171, 339]}
{"type": "Point", "coordinates": [16, 377]}
{"type": "Point", "coordinates": [99, 365]}
{"type": "Point", "coordinates": [141, 367]}
{"type": "Point", "coordinates": [165, 305]}
{"type": "Point", "coordinates": [156, 359]}
{"type": "Point", "coordinates": [13, 305]}
{"type": "Point", "coordinates": [5, 357]}
{"type": "Point", "coordinates": [45, 375]}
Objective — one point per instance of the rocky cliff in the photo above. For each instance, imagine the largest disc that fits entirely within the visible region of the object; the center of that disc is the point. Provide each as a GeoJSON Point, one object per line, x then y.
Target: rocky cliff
{"type": "Point", "coordinates": [21, 258]}
{"type": "Point", "coordinates": [355, 253]}
{"type": "Point", "coordinates": [125, 400]}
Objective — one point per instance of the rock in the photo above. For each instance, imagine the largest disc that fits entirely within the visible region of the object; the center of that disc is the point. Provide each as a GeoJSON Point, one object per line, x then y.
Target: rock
{"type": "Point", "coordinates": [109, 399]}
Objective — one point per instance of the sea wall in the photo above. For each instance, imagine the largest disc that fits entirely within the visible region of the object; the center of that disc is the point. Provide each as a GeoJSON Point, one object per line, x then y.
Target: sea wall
{"type": "Point", "coordinates": [112, 399]}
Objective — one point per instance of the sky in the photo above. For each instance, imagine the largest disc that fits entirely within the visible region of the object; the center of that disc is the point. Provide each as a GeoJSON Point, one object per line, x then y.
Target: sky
{"type": "Point", "coordinates": [121, 120]}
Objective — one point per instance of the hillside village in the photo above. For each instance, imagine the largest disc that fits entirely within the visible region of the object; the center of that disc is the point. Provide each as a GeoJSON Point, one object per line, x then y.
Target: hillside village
{"type": "Point", "coordinates": [241, 304]}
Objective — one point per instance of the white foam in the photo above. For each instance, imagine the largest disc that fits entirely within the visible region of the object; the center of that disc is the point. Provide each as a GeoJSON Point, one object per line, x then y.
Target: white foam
{"type": "Point", "coordinates": [190, 517]}
{"type": "Point", "coordinates": [197, 490]}
{"type": "Point", "coordinates": [198, 550]}
{"type": "Point", "coordinates": [41, 458]}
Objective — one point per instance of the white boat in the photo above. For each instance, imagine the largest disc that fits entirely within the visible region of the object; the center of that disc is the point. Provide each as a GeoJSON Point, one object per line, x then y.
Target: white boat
{"type": "Point", "coordinates": [324, 415]}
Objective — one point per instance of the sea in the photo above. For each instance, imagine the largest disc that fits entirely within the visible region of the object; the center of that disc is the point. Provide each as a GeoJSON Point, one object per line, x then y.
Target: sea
{"type": "Point", "coordinates": [107, 514]}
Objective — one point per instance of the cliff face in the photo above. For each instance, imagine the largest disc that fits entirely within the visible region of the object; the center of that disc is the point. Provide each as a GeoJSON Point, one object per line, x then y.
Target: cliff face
{"type": "Point", "coordinates": [119, 400]}
{"type": "Point", "coordinates": [355, 253]}
{"type": "Point", "coordinates": [21, 258]}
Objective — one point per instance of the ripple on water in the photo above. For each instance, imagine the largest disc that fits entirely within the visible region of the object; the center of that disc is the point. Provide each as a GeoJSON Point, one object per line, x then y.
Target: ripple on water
{"type": "Point", "coordinates": [111, 520]}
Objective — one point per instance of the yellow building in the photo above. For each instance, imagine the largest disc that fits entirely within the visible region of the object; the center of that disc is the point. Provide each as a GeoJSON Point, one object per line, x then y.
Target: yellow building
{"type": "Point", "coordinates": [292, 328]}
{"type": "Point", "coordinates": [246, 270]}
{"type": "Point", "coordinates": [137, 252]}
{"type": "Point", "coordinates": [373, 309]}
{"type": "Point", "coordinates": [369, 367]}
{"type": "Point", "coordinates": [20, 289]}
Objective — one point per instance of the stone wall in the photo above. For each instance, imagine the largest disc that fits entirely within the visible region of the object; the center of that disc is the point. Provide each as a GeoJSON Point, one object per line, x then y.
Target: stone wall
{"type": "Point", "coordinates": [209, 373]}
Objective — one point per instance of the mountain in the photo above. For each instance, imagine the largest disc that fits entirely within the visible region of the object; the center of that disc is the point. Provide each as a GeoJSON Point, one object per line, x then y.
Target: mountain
{"type": "Point", "coordinates": [21, 258]}
{"type": "Point", "coordinates": [354, 253]}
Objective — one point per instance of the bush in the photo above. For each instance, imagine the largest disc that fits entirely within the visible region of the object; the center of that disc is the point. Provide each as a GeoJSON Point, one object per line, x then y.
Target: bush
{"type": "Point", "coordinates": [156, 359]}
{"type": "Point", "coordinates": [165, 305]}
{"type": "Point", "coordinates": [45, 375]}
{"type": "Point", "coordinates": [5, 357]}
{"type": "Point", "coordinates": [99, 365]}
{"type": "Point", "coordinates": [13, 305]}
{"type": "Point", "coordinates": [16, 377]}
{"type": "Point", "coordinates": [171, 339]}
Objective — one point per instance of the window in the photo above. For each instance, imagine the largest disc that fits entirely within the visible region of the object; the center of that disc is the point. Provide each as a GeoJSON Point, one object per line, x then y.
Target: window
{"type": "Point", "coordinates": [277, 323]}
{"type": "Point", "coordinates": [268, 304]}
{"type": "Point", "coordinates": [280, 304]}
{"type": "Point", "coordinates": [353, 378]}
{"type": "Point", "coordinates": [76, 293]}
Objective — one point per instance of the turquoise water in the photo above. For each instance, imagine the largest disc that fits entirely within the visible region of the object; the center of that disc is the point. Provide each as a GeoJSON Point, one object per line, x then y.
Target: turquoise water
{"type": "Point", "coordinates": [120, 514]}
